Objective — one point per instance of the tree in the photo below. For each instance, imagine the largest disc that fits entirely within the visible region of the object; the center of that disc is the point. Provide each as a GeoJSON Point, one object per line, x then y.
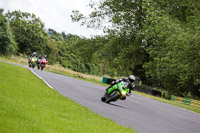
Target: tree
{"type": "Point", "coordinates": [157, 40]}
{"type": "Point", "coordinates": [7, 44]}
{"type": "Point", "coordinates": [124, 49]}
{"type": "Point", "coordinates": [172, 43]}
{"type": "Point", "coordinates": [28, 31]}
{"type": "Point", "coordinates": [55, 35]}
{"type": "Point", "coordinates": [51, 50]}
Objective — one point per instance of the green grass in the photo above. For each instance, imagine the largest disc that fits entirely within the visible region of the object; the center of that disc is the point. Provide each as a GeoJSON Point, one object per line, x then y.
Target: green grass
{"type": "Point", "coordinates": [27, 104]}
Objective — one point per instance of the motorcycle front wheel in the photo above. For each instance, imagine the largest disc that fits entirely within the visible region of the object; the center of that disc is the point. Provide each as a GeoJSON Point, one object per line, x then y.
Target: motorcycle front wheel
{"type": "Point", "coordinates": [42, 66]}
{"type": "Point", "coordinates": [113, 97]}
{"type": "Point", "coordinates": [103, 99]}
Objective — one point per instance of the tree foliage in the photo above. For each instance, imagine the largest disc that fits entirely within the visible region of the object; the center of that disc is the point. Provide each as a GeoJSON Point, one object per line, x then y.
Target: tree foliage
{"type": "Point", "coordinates": [124, 49]}
{"type": "Point", "coordinates": [55, 36]}
{"type": "Point", "coordinates": [7, 44]}
{"type": "Point", "coordinates": [157, 40]}
{"type": "Point", "coordinates": [72, 55]}
{"type": "Point", "coordinates": [173, 40]}
{"type": "Point", "coordinates": [28, 31]}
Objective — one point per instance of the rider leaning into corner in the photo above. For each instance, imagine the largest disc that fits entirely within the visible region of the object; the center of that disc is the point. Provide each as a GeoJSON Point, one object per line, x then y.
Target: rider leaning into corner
{"type": "Point", "coordinates": [128, 82]}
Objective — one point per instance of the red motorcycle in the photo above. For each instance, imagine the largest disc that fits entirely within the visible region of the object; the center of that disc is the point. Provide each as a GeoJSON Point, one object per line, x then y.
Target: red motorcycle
{"type": "Point", "coordinates": [43, 63]}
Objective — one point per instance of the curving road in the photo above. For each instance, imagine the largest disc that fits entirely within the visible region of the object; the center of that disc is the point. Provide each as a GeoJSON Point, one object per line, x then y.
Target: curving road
{"type": "Point", "coordinates": [140, 113]}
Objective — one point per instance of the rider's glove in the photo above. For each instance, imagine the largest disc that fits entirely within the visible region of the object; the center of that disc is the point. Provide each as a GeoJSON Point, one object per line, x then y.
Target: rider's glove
{"type": "Point", "coordinates": [113, 82]}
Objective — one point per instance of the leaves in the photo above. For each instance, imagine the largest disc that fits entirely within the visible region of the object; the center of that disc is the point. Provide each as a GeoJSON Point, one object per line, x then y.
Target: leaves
{"type": "Point", "coordinates": [157, 40]}
{"type": "Point", "coordinates": [28, 32]}
{"type": "Point", "coordinates": [172, 47]}
{"type": "Point", "coordinates": [7, 44]}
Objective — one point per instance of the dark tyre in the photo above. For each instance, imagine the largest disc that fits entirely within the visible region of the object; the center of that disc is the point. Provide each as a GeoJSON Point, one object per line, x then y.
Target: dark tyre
{"type": "Point", "coordinates": [42, 66]}
{"type": "Point", "coordinates": [123, 98]}
{"type": "Point", "coordinates": [103, 99]}
{"type": "Point", "coordinates": [113, 97]}
{"type": "Point", "coordinates": [33, 65]}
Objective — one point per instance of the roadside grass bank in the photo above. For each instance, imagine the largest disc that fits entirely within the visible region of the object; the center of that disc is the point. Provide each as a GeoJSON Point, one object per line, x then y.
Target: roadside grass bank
{"type": "Point", "coordinates": [27, 104]}
{"type": "Point", "coordinates": [93, 79]}
{"type": "Point", "coordinates": [16, 59]}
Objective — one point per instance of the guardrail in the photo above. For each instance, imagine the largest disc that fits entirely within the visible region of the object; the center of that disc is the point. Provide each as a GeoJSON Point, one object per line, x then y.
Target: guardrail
{"type": "Point", "coordinates": [187, 101]}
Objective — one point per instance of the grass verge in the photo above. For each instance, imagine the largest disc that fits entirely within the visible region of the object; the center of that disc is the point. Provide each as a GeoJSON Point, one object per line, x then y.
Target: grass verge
{"type": "Point", "coordinates": [27, 104]}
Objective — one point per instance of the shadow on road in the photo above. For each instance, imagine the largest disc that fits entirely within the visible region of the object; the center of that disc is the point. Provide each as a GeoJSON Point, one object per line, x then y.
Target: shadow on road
{"type": "Point", "coordinates": [118, 105]}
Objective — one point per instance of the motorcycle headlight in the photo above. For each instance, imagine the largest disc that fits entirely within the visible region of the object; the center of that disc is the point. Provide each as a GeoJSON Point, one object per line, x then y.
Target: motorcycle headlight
{"type": "Point", "coordinates": [123, 93]}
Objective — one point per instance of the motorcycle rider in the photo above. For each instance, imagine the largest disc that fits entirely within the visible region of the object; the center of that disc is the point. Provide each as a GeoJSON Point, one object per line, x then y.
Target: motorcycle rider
{"type": "Point", "coordinates": [45, 57]}
{"type": "Point", "coordinates": [39, 58]}
{"type": "Point", "coordinates": [129, 83]}
{"type": "Point", "coordinates": [38, 61]}
{"type": "Point", "coordinates": [32, 55]}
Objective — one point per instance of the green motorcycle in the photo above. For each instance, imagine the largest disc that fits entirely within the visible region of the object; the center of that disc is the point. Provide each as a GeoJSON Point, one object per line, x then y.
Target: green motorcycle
{"type": "Point", "coordinates": [116, 92]}
{"type": "Point", "coordinates": [33, 62]}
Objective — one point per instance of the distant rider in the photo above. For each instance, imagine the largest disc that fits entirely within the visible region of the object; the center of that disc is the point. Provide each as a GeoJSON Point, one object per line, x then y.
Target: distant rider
{"type": "Point", "coordinates": [38, 61]}
{"type": "Point", "coordinates": [128, 82]}
{"type": "Point", "coordinates": [39, 58]}
{"type": "Point", "coordinates": [45, 57]}
{"type": "Point", "coordinates": [32, 55]}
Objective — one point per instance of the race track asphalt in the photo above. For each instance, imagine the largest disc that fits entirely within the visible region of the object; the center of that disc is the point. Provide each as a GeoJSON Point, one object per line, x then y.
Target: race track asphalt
{"type": "Point", "coordinates": [143, 114]}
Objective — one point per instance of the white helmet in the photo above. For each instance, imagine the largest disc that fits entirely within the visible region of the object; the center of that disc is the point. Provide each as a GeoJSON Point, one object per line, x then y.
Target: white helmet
{"type": "Point", "coordinates": [131, 78]}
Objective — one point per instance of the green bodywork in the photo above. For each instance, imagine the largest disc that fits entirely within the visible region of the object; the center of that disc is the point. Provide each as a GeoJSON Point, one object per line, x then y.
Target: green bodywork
{"type": "Point", "coordinates": [119, 88]}
{"type": "Point", "coordinates": [34, 61]}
